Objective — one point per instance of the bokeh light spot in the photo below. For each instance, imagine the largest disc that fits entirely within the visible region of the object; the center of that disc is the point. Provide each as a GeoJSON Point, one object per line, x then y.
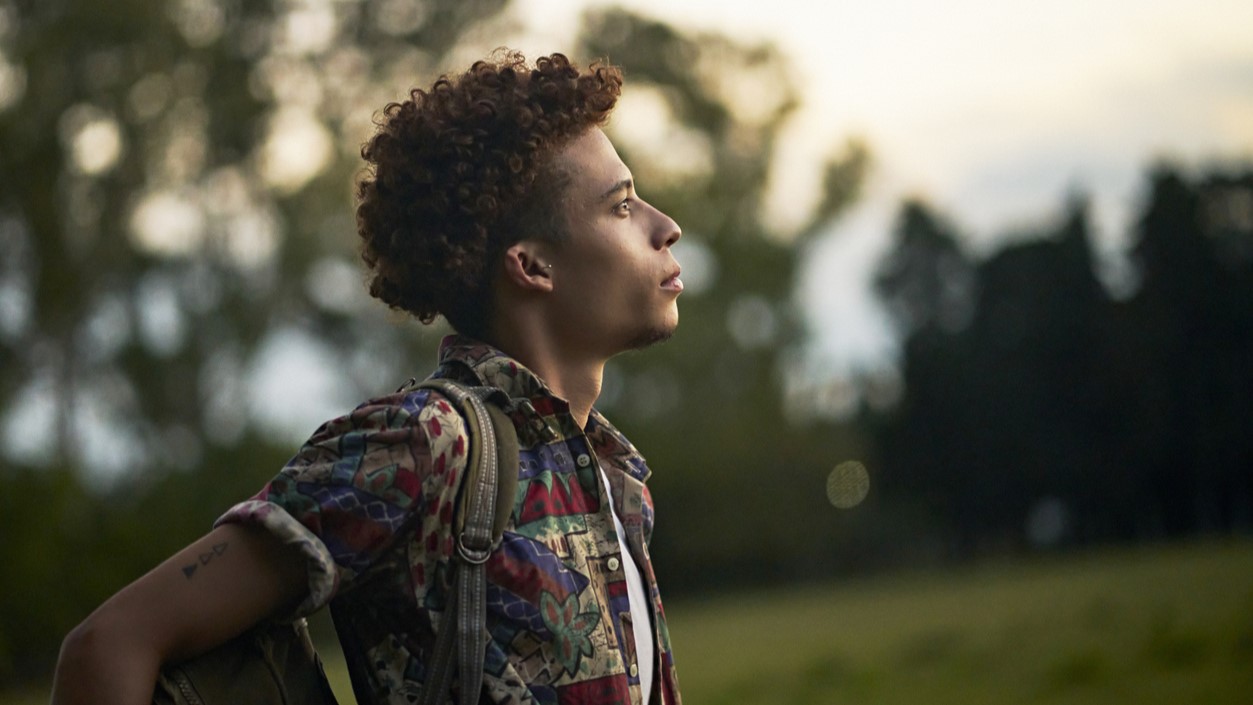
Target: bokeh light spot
{"type": "Point", "coordinates": [848, 484]}
{"type": "Point", "coordinates": [297, 148]}
{"type": "Point", "coordinates": [307, 29]}
{"type": "Point", "coordinates": [201, 22]}
{"type": "Point", "coordinates": [647, 125]}
{"type": "Point", "coordinates": [700, 264]}
{"type": "Point", "coordinates": [12, 83]}
{"type": "Point", "coordinates": [92, 139]}
{"type": "Point", "coordinates": [149, 96]}
{"type": "Point", "coordinates": [400, 17]}
{"type": "Point", "coordinates": [751, 322]}
{"type": "Point", "coordinates": [167, 223]}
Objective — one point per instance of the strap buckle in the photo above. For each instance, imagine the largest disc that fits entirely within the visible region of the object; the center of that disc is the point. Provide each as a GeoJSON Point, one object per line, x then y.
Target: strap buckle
{"type": "Point", "coordinates": [473, 556]}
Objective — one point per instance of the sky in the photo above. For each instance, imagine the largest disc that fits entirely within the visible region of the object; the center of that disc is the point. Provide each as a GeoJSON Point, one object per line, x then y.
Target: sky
{"type": "Point", "coordinates": [993, 111]}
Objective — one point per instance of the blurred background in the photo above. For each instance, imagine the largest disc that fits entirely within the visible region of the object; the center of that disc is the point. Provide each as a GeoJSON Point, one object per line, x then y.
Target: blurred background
{"type": "Point", "coordinates": [959, 409]}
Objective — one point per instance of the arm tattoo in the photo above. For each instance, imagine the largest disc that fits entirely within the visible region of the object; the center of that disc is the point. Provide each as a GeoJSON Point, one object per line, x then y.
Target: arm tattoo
{"type": "Point", "coordinates": [203, 559]}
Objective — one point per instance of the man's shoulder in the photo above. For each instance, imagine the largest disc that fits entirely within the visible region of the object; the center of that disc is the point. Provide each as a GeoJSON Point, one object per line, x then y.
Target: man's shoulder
{"type": "Point", "coordinates": [407, 415]}
{"type": "Point", "coordinates": [396, 446]}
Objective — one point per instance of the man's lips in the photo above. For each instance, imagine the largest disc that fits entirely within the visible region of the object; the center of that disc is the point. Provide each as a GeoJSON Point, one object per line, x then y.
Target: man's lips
{"type": "Point", "coordinates": [673, 282]}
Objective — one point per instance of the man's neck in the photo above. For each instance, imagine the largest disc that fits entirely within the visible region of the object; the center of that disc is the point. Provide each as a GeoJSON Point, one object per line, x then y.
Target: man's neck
{"type": "Point", "coordinates": [578, 384]}
{"type": "Point", "coordinates": [574, 378]}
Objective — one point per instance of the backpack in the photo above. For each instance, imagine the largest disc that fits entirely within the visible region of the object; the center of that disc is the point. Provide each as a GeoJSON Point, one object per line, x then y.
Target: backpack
{"type": "Point", "coordinates": [276, 664]}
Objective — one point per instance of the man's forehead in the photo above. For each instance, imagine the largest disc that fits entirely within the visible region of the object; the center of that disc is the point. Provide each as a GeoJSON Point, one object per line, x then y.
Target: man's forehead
{"type": "Point", "coordinates": [597, 170]}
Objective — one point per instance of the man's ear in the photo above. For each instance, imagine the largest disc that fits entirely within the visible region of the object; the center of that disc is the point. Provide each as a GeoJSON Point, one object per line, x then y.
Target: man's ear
{"type": "Point", "coordinates": [527, 266]}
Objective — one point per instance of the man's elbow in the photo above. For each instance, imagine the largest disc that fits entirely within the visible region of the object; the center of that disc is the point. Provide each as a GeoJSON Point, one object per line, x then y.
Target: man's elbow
{"type": "Point", "coordinates": [86, 644]}
{"type": "Point", "coordinates": [82, 641]}
{"type": "Point", "coordinates": [81, 651]}
{"type": "Point", "coordinates": [100, 654]}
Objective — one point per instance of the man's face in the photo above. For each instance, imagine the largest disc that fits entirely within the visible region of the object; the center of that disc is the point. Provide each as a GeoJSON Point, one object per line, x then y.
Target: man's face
{"type": "Point", "coordinates": [615, 283]}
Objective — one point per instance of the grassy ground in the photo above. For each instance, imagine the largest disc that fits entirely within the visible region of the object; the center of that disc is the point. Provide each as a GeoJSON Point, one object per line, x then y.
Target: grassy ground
{"type": "Point", "coordinates": [1166, 625]}
{"type": "Point", "coordinates": [1161, 625]}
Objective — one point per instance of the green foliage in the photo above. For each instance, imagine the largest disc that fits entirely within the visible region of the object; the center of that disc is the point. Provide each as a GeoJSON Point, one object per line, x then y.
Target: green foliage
{"type": "Point", "coordinates": [152, 249]}
{"type": "Point", "coordinates": [157, 240]}
{"type": "Point", "coordinates": [67, 549]}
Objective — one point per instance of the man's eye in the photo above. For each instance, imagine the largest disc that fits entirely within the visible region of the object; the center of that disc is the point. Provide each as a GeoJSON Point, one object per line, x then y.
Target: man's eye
{"type": "Point", "coordinates": [624, 207]}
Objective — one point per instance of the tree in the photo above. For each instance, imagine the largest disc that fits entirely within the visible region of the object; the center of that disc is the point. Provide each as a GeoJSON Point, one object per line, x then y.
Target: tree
{"type": "Point", "coordinates": [926, 280]}
{"type": "Point", "coordinates": [1190, 321]}
{"type": "Point", "coordinates": [1038, 409]}
{"type": "Point", "coordinates": [929, 285]}
{"type": "Point", "coordinates": [173, 207]}
{"type": "Point", "coordinates": [1058, 415]}
{"type": "Point", "coordinates": [170, 170]}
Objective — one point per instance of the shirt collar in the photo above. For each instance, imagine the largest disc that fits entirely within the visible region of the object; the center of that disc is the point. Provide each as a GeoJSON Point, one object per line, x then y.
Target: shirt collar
{"type": "Point", "coordinates": [493, 368]}
{"type": "Point", "coordinates": [541, 409]}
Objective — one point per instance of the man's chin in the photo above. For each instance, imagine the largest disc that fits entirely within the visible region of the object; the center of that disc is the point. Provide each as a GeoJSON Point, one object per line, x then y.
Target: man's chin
{"type": "Point", "coordinates": [653, 336]}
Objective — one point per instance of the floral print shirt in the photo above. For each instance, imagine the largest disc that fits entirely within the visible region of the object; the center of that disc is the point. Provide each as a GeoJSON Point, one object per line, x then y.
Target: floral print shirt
{"type": "Point", "coordinates": [369, 501]}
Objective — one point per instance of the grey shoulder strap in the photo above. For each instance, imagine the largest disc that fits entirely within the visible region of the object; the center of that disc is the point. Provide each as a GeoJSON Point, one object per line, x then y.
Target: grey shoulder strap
{"type": "Point", "coordinates": [487, 492]}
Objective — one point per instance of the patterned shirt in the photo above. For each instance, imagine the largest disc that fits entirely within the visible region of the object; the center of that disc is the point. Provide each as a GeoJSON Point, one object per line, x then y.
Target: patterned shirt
{"type": "Point", "coordinates": [369, 501]}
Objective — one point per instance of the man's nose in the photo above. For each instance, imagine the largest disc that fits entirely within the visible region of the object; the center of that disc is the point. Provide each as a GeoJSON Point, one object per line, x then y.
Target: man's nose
{"type": "Point", "coordinates": [668, 231]}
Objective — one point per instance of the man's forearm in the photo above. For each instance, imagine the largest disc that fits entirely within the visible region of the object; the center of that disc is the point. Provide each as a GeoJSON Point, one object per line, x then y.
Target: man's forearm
{"type": "Point", "coordinates": [207, 593]}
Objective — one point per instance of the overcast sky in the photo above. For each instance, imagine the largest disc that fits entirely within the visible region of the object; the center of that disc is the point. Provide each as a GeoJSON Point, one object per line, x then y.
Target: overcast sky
{"type": "Point", "coordinates": [992, 110]}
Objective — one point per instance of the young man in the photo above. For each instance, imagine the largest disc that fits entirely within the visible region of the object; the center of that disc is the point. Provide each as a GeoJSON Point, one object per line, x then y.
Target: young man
{"type": "Point", "coordinates": [495, 200]}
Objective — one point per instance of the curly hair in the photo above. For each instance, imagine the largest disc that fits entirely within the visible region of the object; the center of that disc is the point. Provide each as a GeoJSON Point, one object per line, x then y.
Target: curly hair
{"type": "Point", "coordinates": [459, 173]}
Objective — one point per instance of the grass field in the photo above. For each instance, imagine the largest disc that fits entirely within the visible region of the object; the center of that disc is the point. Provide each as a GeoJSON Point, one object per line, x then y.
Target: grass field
{"type": "Point", "coordinates": [1161, 625]}
{"type": "Point", "coordinates": [1166, 625]}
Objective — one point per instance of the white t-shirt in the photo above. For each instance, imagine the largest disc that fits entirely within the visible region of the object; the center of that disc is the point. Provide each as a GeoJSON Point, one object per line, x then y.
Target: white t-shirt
{"type": "Point", "coordinates": [638, 599]}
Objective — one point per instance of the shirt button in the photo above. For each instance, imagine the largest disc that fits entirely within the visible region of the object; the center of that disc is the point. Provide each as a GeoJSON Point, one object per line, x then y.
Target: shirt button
{"type": "Point", "coordinates": [584, 460]}
{"type": "Point", "coordinates": [614, 564]}
{"type": "Point", "coordinates": [635, 671]}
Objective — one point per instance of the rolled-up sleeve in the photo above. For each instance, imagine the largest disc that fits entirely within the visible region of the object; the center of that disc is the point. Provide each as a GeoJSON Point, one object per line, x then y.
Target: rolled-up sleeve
{"type": "Point", "coordinates": [391, 466]}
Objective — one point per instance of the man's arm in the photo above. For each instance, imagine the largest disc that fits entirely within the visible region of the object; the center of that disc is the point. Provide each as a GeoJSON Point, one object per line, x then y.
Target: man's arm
{"type": "Point", "coordinates": [207, 593]}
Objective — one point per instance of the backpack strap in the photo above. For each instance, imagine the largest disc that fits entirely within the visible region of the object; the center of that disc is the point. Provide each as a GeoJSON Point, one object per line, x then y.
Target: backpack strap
{"type": "Point", "coordinates": [487, 492]}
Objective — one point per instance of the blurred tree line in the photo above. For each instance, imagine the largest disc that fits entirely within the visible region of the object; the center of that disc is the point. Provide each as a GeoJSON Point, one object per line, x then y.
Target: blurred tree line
{"type": "Point", "coordinates": [175, 221]}
{"type": "Point", "coordinates": [1039, 410]}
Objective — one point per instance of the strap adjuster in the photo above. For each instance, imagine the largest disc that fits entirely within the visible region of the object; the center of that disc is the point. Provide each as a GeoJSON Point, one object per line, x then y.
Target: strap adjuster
{"type": "Point", "coordinates": [473, 556]}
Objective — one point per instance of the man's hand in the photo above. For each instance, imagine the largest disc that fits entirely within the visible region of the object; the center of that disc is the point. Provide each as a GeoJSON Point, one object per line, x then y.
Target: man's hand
{"type": "Point", "coordinates": [207, 593]}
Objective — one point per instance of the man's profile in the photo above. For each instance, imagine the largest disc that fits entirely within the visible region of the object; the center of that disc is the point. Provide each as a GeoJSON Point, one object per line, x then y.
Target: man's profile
{"type": "Point", "coordinates": [495, 200]}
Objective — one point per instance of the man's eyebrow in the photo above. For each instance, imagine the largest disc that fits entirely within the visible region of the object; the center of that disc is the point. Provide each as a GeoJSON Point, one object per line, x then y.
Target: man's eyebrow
{"type": "Point", "coordinates": [624, 184]}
